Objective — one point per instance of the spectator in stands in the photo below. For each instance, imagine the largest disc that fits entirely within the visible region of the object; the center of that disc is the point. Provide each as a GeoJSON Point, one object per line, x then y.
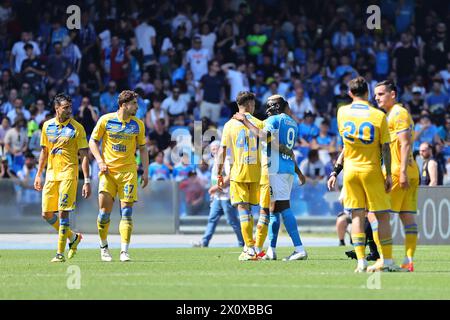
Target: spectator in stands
{"type": "Point", "coordinates": [109, 99]}
{"type": "Point", "coordinates": [437, 101]}
{"type": "Point", "coordinates": [7, 81]}
{"type": "Point", "coordinates": [158, 170]}
{"type": "Point", "coordinates": [91, 83]}
{"type": "Point", "coordinates": [175, 105]}
{"type": "Point", "coordinates": [431, 173]}
{"type": "Point", "coordinates": [312, 168]}
{"type": "Point", "coordinates": [18, 51]}
{"type": "Point", "coordinates": [33, 70]}
{"type": "Point", "coordinates": [425, 131]}
{"type": "Point", "coordinates": [16, 143]}
{"type": "Point", "coordinates": [437, 48]}
{"type": "Point", "coordinates": [59, 32]}
{"type": "Point", "coordinates": [256, 42]}
{"type": "Point", "coordinates": [300, 104]}
{"type": "Point", "coordinates": [115, 63]}
{"type": "Point", "coordinates": [212, 95]}
{"type": "Point", "coordinates": [197, 58]}
{"type": "Point", "coordinates": [406, 60]}
{"type": "Point", "coordinates": [324, 140]}
{"type": "Point", "coordinates": [208, 38]}
{"type": "Point", "coordinates": [160, 135]}
{"type": "Point", "coordinates": [4, 127]}
{"type": "Point", "coordinates": [146, 85]}
{"type": "Point", "coordinates": [88, 115]}
{"type": "Point", "coordinates": [181, 171]}
{"type": "Point", "coordinates": [41, 112]}
{"type": "Point", "coordinates": [28, 195]}
{"type": "Point", "coordinates": [195, 194]}
{"type": "Point", "coordinates": [28, 97]}
{"type": "Point", "coordinates": [9, 105]}
{"type": "Point", "coordinates": [343, 39]}
{"type": "Point", "coordinates": [5, 170]}
{"type": "Point", "coordinates": [307, 130]}
{"type": "Point", "coordinates": [156, 114]}
{"type": "Point", "coordinates": [19, 110]}
{"type": "Point", "coordinates": [34, 142]}
{"type": "Point", "coordinates": [58, 68]}
{"type": "Point", "coordinates": [417, 104]}
{"type": "Point", "coordinates": [72, 52]}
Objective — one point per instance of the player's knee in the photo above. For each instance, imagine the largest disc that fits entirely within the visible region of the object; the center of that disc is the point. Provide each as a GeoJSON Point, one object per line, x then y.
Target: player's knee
{"type": "Point", "coordinates": [126, 213]}
{"type": "Point", "coordinates": [103, 217]}
{"type": "Point", "coordinates": [50, 217]}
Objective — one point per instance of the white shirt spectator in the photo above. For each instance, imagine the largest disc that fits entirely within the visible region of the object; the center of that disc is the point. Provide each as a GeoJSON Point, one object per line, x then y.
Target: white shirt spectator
{"type": "Point", "coordinates": [12, 114]}
{"type": "Point", "coordinates": [5, 13]}
{"type": "Point", "coordinates": [40, 117]}
{"type": "Point", "coordinates": [16, 140]}
{"type": "Point", "coordinates": [6, 107]}
{"type": "Point", "coordinates": [73, 82]}
{"type": "Point", "coordinates": [299, 109]}
{"type": "Point", "coordinates": [144, 34]}
{"type": "Point", "coordinates": [20, 54]}
{"type": "Point", "coordinates": [175, 107]}
{"type": "Point", "coordinates": [198, 60]}
{"type": "Point", "coordinates": [208, 42]}
{"type": "Point", "coordinates": [445, 74]}
{"type": "Point", "coordinates": [238, 82]}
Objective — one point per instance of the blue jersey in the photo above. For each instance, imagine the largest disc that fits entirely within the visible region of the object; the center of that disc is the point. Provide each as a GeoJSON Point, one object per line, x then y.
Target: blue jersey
{"type": "Point", "coordinates": [283, 129]}
{"type": "Point", "coordinates": [158, 171]}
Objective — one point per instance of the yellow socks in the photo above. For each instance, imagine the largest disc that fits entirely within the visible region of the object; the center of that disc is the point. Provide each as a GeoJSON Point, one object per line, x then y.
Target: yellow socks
{"type": "Point", "coordinates": [359, 243]}
{"type": "Point", "coordinates": [246, 220]}
{"type": "Point", "coordinates": [54, 222]}
{"type": "Point", "coordinates": [103, 221]}
{"type": "Point", "coordinates": [262, 228]}
{"type": "Point", "coordinates": [410, 240]}
{"type": "Point", "coordinates": [386, 248]}
{"type": "Point", "coordinates": [126, 227]}
{"type": "Point", "coordinates": [62, 235]}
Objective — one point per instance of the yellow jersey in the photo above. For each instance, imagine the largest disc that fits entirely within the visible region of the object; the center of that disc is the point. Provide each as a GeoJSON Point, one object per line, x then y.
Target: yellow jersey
{"type": "Point", "coordinates": [399, 120]}
{"type": "Point", "coordinates": [119, 141]}
{"type": "Point", "coordinates": [245, 149]}
{"type": "Point", "coordinates": [62, 141]}
{"type": "Point", "coordinates": [264, 159]}
{"type": "Point", "coordinates": [363, 129]}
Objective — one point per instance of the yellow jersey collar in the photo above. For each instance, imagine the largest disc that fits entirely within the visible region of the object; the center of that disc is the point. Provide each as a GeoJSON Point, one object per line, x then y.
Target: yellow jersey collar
{"type": "Point", "coordinates": [65, 123]}
{"type": "Point", "coordinates": [121, 120]}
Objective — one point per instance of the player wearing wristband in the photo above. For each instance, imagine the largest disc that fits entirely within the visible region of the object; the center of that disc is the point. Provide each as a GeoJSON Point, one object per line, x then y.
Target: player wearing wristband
{"type": "Point", "coordinates": [120, 133]}
{"type": "Point", "coordinates": [62, 139]}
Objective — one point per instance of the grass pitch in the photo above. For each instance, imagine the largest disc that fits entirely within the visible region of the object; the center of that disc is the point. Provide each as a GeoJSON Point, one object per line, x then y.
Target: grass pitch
{"type": "Point", "coordinates": [215, 273]}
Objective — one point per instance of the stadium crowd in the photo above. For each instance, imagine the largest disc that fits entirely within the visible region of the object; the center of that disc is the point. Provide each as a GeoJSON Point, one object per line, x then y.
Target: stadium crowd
{"type": "Point", "coordinates": [187, 60]}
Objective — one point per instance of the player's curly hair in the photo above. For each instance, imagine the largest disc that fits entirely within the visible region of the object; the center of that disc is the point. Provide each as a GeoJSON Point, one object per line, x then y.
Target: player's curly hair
{"type": "Point", "coordinates": [126, 96]}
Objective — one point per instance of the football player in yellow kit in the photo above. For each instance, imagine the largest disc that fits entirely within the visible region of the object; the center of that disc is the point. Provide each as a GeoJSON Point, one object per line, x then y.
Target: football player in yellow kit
{"type": "Point", "coordinates": [120, 133]}
{"type": "Point", "coordinates": [62, 139]}
{"type": "Point", "coordinates": [365, 134]}
{"type": "Point", "coordinates": [246, 168]}
{"type": "Point", "coordinates": [405, 172]}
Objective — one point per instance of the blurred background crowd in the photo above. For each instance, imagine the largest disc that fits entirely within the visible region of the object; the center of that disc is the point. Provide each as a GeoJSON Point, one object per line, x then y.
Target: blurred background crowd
{"type": "Point", "coordinates": [187, 60]}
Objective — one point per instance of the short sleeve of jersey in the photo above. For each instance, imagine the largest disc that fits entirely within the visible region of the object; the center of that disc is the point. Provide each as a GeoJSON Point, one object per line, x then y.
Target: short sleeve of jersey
{"type": "Point", "coordinates": [224, 141]}
{"type": "Point", "coordinates": [81, 138]}
{"type": "Point", "coordinates": [99, 130]}
{"type": "Point", "coordinates": [44, 138]}
{"type": "Point", "coordinates": [141, 136]}
{"type": "Point", "coordinates": [271, 124]}
{"type": "Point", "coordinates": [401, 121]}
{"type": "Point", "coordinates": [384, 131]}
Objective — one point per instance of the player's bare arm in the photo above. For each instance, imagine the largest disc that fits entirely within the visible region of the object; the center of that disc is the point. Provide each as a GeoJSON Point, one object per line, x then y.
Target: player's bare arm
{"type": "Point", "coordinates": [338, 166]}
{"type": "Point", "coordinates": [144, 158]}
{"type": "Point", "coordinates": [221, 155]}
{"type": "Point", "coordinates": [43, 156]}
{"type": "Point", "coordinates": [386, 154]}
{"type": "Point", "coordinates": [405, 151]}
{"type": "Point", "coordinates": [86, 190]}
{"type": "Point", "coordinates": [93, 146]}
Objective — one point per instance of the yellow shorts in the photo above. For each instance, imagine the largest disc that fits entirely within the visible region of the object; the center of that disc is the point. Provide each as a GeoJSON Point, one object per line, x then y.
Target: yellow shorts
{"type": "Point", "coordinates": [264, 197]}
{"type": "Point", "coordinates": [404, 201]}
{"type": "Point", "coordinates": [59, 195]}
{"type": "Point", "coordinates": [365, 190]}
{"type": "Point", "coordinates": [123, 183]}
{"type": "Point", "coordinates": [244, 193]}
